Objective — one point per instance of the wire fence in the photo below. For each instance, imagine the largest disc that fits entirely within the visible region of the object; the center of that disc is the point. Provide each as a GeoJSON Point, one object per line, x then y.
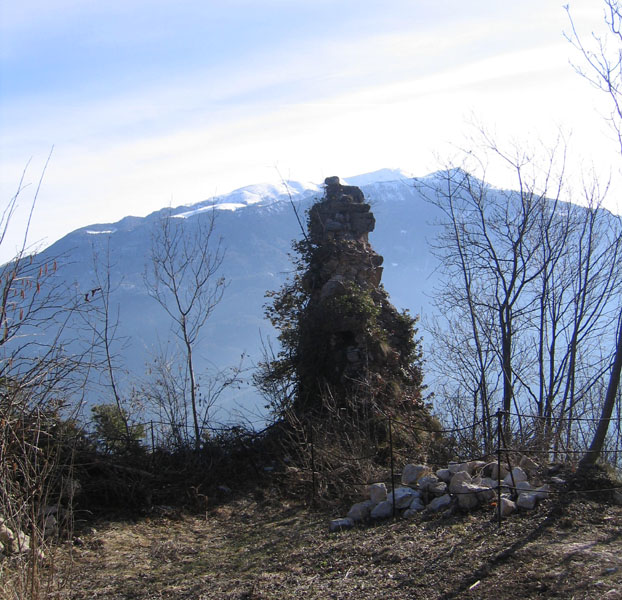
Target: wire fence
{"type": "Point", "coordinates": [320, 458]}
{"type": "Point", "coordinates": [504, 454]}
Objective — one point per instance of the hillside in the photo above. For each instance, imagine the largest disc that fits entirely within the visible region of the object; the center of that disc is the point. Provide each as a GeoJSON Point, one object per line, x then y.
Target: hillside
{"type": "Point", "coordinates": [252, 549]}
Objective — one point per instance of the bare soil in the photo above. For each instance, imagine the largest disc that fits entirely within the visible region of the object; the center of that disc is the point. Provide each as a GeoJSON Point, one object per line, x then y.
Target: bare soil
{"type": "Point", "coordinates": [250, 550]}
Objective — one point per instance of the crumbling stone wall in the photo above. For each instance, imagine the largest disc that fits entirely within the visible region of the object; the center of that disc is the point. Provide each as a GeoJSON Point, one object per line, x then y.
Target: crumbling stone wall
{"type": "Point", "coordinates": [352, 340]}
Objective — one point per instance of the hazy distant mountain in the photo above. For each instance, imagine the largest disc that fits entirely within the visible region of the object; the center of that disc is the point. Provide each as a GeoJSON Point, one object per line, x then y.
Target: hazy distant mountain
{"type": "Point", "coordinates": [257, 224]}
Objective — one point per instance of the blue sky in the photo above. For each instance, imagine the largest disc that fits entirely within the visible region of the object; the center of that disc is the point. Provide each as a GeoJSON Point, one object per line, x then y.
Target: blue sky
{"type": "Point", "coordinates": [150, 103]}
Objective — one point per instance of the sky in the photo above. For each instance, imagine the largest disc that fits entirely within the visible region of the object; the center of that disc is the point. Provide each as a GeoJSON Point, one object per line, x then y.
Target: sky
{"type": "Point", "coordinates": [149, 103]}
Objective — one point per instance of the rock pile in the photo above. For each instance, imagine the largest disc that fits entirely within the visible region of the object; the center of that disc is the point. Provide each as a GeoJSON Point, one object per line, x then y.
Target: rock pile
{"type": "Point", "coordinates": [464, 486]}
{"type": "Point", "coordinates": [12, 540]}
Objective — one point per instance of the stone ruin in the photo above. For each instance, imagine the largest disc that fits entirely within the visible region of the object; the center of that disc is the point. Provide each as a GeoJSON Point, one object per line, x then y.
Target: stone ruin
{"type": "Point", "coordinates": [352, 334]}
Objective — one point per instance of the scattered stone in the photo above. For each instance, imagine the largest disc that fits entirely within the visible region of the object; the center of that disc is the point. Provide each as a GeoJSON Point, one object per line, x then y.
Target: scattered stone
{"type": "Point", "coordinates": [477, 465]}
{"type": "Point", "coordinates": [403, 496]}
{"type": "Point", "coordinates": [542, 492]}
{"type": "Point", "coordinates": [527, 500]}
{"type": "Point", "coordinates": [485, 493]}
{"type": "Point", "coordinates": [528, 464]}
{"type": "Point", "coordinates": [444, 475]}
{"type": "Point", "coordinates": [384, 510]}
{"type": "Point", "coordinates": [50, 526]}
{"type": "Point", "coordinates": [377, 492]}
{"type": "Point", "coordinates": [440, 503]}
{"type": "Point", "coordinates": [340, 524]}
{"type": "Point", "coordinates": [558, 481]}
{"type": "Point", "coordinates": [416, 504]}
{"type": "Point", "coordinates": [511, 479]}
{"type": "Point", "coordinates": [412, 473]}
{"type": "Point", "coordinates": [427, 481]}
{"type": "Point", "coordinates": [438, 489]}
{"type": "Point", "coordinates": [13, 542]}
{"type": "Point", "coordinates": [487, 482]}
{"type": "Point", "coordinates": [460, 477]}
{"type": "Point", "coordinates": [460, 467]}
{"type": "Point", "coordinates": [468, 495]}
{"type": "Point", "coordinates": [507, 507]}
{"type": "Point", "coordinates": [360, 511]}
{"type": "Point", "coordinates": [523, 486]}
{"type": "Point", "coordinates": [491, 470]}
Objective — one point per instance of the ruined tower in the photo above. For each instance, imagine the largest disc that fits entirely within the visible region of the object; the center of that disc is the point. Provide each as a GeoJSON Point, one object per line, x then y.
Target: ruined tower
{"type": "Point", "coordinates": [352, 341]}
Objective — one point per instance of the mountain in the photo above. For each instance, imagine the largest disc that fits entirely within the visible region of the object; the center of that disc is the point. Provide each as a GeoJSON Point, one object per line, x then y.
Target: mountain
{"type": "Point", "coordinates": [257, 225]}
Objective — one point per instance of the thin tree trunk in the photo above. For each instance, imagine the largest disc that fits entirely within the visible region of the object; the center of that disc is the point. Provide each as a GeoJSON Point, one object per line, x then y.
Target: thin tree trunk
{"type": "Point", "coordinates": [598, 441]}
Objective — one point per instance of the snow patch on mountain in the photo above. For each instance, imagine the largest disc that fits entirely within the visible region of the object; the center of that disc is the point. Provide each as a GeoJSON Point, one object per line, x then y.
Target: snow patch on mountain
{"type": "Point", "coordinates": [252, 195]}
{"type": "Point", "coordinates": [380, 176]}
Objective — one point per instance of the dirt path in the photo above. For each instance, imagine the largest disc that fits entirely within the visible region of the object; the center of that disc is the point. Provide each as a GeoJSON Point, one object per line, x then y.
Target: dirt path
{"type": "Point", "coordinates": [246, 551]}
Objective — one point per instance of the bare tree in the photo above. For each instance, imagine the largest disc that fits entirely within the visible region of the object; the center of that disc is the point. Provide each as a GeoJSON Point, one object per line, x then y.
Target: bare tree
{"type": "Point", "coordinates": [530, 283]}
{"type": "Point", "coordinates": [42, 377]}
{"type": "Point", "coordinates": [102, 325]}
{"type": "Point", "coordinates": [602, 67]}
{"type": "Point", "coordinates": [184, 279]}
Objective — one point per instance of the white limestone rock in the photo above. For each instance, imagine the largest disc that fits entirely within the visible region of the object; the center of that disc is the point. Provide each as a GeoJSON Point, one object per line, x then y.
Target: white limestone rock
{"type": "Point", "coordinates": [528, 464]}
{"type": "Point", "coordinates": [517, 474]}
{"type": "Point", "coordinates": [412, 473]}
{"type": "Point", "coordinates": [50, 526]}
{"type": "Point", "coordinates": [403, 496]}
{"type": "Point", "coordinates": [6, 535]}
{"type": "Point", "coordinates": [427, 481]}
{"type": "Point", "coordinates": [542, 492]}
{"type": "Point", "coordinates": [476, 466]}
{"type": "Point", "coordinates": [485, 493]}
{"type": "Point", "coordinates": [523, 486]}
{"type": "Point", "coordinates": [340, 524]}
{"type": "Point", "coordinates": [416, 504]}
{"type": "Point", "coordinates": [491, 469]}
{"type": "Point", "coordinates": [507, 507]}
{"type": "Point", "coordinates": [459, 468]}
{"type": "Point", "coordinates": [384, 510]}
{"type": "Point", "coordinates": [488, 482]}
{"type": "Point", "coordinates": [467, 495]}
{"type": "Point", "coordinates": [440, 503]}
{"type": "Point", "coordinates": [13, 542]}
{"type": "Point", "coordinates": [457, 480]}
{"type": "Point", "coordinates": [527, 500]}
{"type": "Point", "coordinates": [377, 492]}
{"type": "Point", "coordinates": [444, 475]}
{"type": "Point", "coordinates": [360, 511]}
{"type": "Point", "coordinates": [438, 489]}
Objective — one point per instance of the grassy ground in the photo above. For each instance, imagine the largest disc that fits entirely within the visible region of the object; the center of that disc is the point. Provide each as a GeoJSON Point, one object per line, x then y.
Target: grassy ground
{"type": "Point", "coordinates": [249, 550]}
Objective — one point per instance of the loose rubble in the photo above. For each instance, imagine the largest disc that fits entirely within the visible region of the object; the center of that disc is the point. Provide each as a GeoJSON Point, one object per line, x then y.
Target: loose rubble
{"type": "Point", "coordinates": [464, 486]}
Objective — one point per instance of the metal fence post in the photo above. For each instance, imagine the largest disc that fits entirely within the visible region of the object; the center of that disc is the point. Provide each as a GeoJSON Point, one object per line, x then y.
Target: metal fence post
{"type": "Point", "coordinates": [392, 465]}
{"type": "Point", "coordinates": [499, 417]}
{"type": "Point", "coordinates": [152, 447]}
{"type": "Point", "coordinates": [313, 480]}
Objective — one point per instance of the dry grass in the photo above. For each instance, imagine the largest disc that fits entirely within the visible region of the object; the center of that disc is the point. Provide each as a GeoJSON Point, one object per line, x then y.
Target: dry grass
{"type": "Point", "coordinates": [245, 550]}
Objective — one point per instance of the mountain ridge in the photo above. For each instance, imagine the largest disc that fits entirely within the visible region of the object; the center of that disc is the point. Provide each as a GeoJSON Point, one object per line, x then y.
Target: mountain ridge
{"type": "Point", "coordinates": [257, 224]}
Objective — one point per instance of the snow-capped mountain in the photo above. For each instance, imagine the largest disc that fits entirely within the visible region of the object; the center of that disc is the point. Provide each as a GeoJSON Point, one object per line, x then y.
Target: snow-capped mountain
{"type": "Point", "coordinates": [257, 225]}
